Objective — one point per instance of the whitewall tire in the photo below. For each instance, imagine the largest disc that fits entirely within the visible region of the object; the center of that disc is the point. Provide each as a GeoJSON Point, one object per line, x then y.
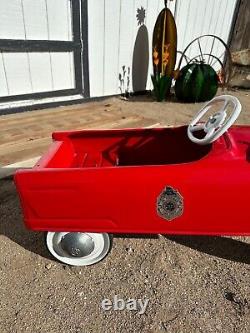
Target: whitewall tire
{"type": "Point", "coordinates": [78, 248]}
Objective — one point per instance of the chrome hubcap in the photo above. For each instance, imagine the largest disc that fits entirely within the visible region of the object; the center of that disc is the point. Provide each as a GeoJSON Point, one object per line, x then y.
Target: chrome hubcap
{"type": "Point", "coordinates": [77, 244]}
{"type": "Point", "coordinates": [78, 248]}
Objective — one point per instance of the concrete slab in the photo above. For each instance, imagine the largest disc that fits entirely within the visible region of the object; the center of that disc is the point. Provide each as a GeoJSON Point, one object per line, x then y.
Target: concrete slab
{"type": "Point", "coordinates": [9, 170]}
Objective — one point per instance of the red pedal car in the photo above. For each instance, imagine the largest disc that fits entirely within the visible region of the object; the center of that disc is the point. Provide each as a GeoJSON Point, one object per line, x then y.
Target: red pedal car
{"type": "Point", "coordinates": [183, 180]}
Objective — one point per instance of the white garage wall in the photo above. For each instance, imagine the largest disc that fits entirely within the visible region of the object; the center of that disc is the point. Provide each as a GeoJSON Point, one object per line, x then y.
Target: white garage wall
{"type": "Point", "coordinates": [24, 73]}
{"type": "Point", "coordinates": [204, 17]}
{"type": "Point", "coordinates": [113, 28]}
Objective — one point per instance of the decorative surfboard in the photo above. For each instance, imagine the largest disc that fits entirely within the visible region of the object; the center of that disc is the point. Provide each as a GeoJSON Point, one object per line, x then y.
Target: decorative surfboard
{"type": "Point", "coordinates": [164, 43]}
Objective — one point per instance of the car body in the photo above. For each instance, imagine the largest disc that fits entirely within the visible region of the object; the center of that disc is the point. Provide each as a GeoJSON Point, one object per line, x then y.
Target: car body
{"type": "Point", "coordinates": [151, 180]}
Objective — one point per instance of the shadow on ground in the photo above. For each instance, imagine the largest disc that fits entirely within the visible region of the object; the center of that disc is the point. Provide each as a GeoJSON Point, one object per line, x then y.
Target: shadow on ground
{"type": "Point", "coordinates": [11, 226]}
{"type": "Point", "coordinates": [11, 221]}
{"type": "Point", "coordinates": [222, 247]}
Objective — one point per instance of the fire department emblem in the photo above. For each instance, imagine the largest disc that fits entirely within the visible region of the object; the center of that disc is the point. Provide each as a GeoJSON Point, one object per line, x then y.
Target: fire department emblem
{"type": "Point", "coordinates": [169, 204]}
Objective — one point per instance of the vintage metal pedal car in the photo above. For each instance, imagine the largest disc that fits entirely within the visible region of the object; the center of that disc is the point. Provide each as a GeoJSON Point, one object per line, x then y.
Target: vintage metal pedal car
{"type": "Point", "coordinates": [183, 180]}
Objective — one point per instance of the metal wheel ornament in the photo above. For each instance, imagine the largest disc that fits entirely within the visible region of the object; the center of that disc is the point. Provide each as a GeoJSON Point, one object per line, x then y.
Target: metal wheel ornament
{"type": "Point", "coordinates": [78, 248]}
{"type": "Point", "coordinates": [222, 63]}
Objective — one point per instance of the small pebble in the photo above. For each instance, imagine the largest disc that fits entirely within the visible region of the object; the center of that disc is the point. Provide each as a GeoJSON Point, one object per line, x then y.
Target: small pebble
{"type": "Point", "coordinates": [48, 266]}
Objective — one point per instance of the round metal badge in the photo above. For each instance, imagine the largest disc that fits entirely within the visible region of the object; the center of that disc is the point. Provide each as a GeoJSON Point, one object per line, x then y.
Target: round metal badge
{"type": "Point", "coordinates": [169, 204]}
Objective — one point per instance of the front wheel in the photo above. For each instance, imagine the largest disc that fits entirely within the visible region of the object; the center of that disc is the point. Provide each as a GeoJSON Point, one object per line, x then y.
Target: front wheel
{"type": "Point", "coordinates": [78, 248]}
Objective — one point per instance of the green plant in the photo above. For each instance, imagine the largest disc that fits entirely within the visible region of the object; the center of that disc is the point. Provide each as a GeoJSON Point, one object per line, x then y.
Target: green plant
{"type": "Point", "coordinates": [162, 85]}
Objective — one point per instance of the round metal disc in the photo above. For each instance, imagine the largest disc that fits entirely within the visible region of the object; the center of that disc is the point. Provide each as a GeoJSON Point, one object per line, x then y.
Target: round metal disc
{"type": "Point", "coordinates": [78, 248]}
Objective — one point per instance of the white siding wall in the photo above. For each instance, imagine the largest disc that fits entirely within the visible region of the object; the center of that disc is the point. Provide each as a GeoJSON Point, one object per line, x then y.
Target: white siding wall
{"type": "Point", "coordinates": [113, 29]}
{"type": "Point", "coordinates": [199, 17]}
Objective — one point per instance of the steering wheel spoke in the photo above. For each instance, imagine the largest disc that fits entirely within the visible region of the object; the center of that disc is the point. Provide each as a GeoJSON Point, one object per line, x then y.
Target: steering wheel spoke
{"type": "Point", "coordinates": [209, 133]}
{"type": "Point", "coordinates": [225, 106]}
{"type": "Point", "coordinates": [196, 128]}
{"type": "Point", "coordinates": [218, 123]}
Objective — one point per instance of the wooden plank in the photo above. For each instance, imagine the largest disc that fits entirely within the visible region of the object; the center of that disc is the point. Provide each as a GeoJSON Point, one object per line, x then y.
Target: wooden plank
{"type": "Point", "coordinates": [96, 47]}
{"type": "Point", "coordinates": [125, 48]}
{"type": "Point", "coordinates": [22, 118]}
{"type": "Point", "coordinates": [61, 73]}
{"type": "Point", "coordinates": [25, 102]}
{"type": "Point", "coordinates": [17, 72]}
{"type": "Point", "coordinates": [182, 22]}
{"type": "Point", "coordinates": [3, 83]}
{"type": "Point", "coordinates": [240, 36]}
{"type": "Point", "coordinates": [85, 48]}
{"type": "Point", "coordinates": [111, 46]}
{"type": "Point", "coordinates": [21, 45]}
{"type": "Point", "coordinates": [70, 36]}
{"type": "Point", "coordinates": [207, 23]}
{"type": "Point", "coordinates": [58, 19]}
{"type": "Point", "coordinates": [78, 59]}
{"type": "Point", "coordinates": [11, 20]}
{"type": "Point", "coordinates": [151, 16]}
{"type": "Point", "coordinates": [171, 6]}
{"type": "Point", "coordinates": [69, 19]}
{"type": "Point", "coordinates": [35, 19]}
{"type": "Point", "coordinates": [40, 71]}
{"type": "Point", "coordinates": [223, 30]}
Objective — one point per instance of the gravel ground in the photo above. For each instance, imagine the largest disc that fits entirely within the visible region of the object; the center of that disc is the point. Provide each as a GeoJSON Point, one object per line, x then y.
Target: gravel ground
{"type": "Point", "coordinates": [193, 284]}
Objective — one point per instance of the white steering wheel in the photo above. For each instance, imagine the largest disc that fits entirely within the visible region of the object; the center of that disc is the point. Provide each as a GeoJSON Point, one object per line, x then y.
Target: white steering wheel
{"type": "Point", "coordinates": [218, 123]}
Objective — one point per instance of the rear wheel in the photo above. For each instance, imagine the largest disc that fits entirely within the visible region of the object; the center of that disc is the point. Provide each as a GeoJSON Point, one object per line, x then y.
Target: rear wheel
{"type": "Point", "coordinates": [78, 248]}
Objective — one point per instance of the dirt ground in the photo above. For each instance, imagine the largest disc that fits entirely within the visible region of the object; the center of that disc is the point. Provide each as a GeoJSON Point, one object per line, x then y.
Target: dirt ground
{"type": "Point", "coordinates": [193, 284]}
